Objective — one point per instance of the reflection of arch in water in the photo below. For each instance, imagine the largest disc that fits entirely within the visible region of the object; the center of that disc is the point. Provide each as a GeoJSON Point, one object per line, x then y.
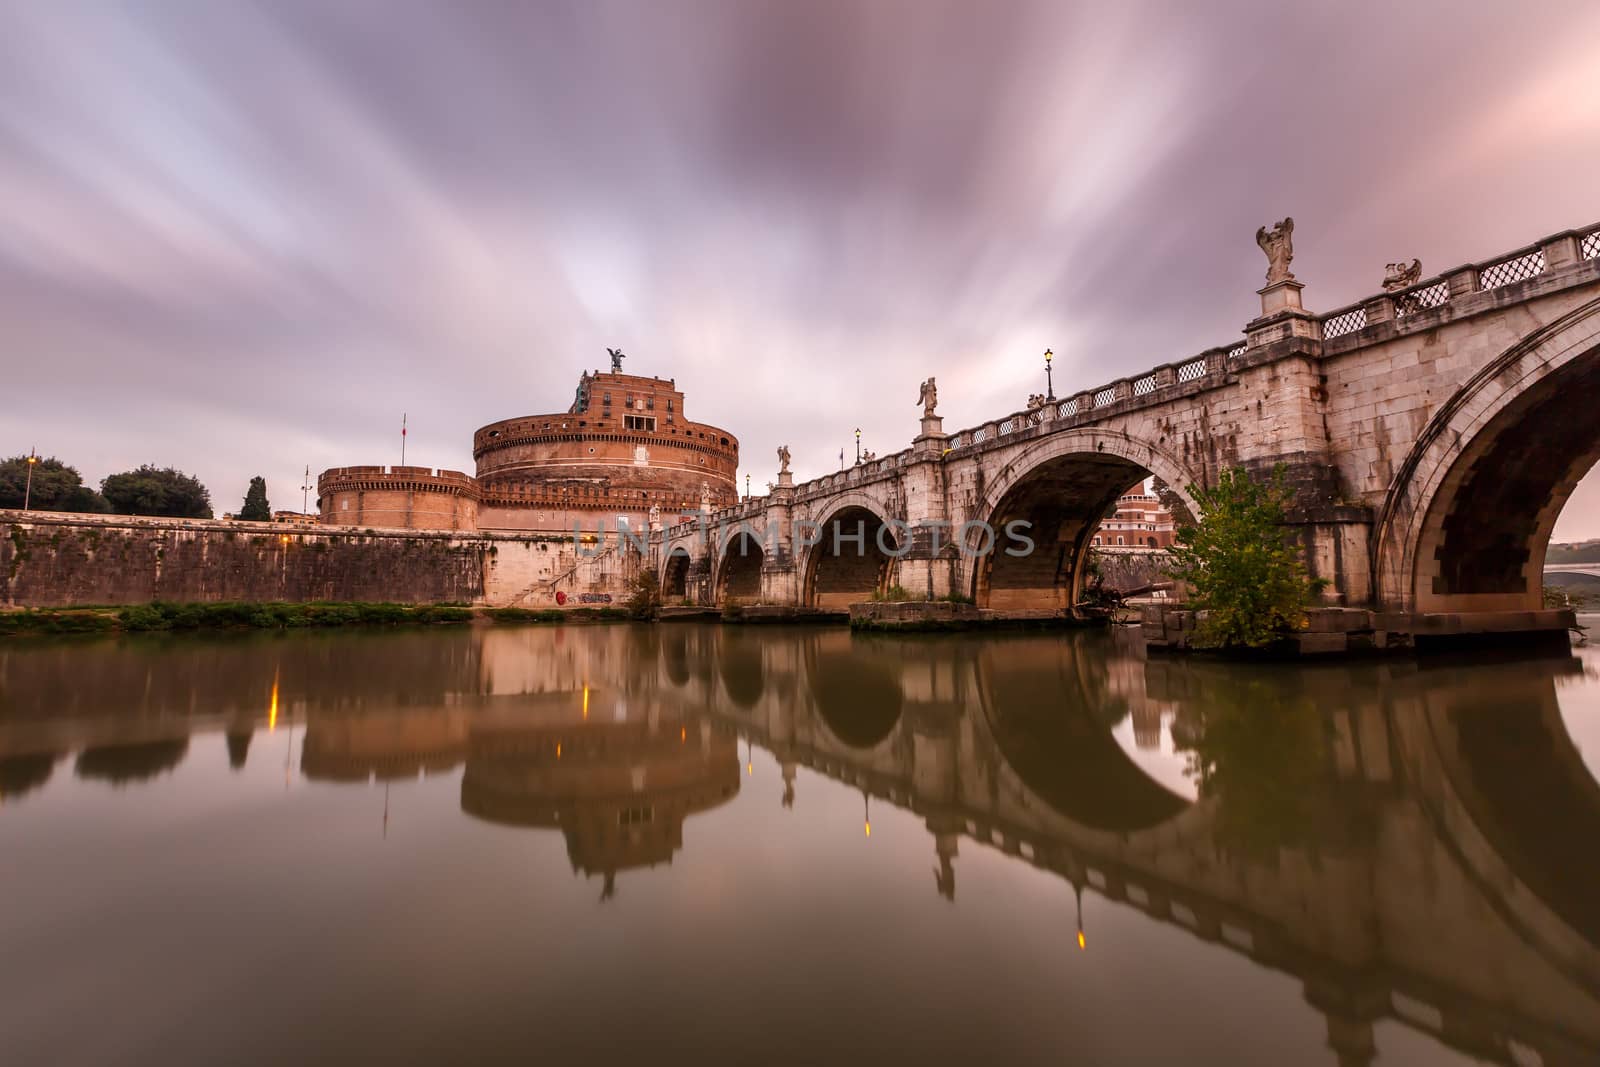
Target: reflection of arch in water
{"type": "Point", "coordinates": [122, 764]}
{"type": "Point", "coordinates": [1504, 783]}
{"type": "Point", "coordinates": [675, 655]}
{"type": "Point", "coordinates": [740, 664]}
{"type": "Point", "coordinates": [856, 687]}
{"type": "Point", "coordinates": [1050, 714]}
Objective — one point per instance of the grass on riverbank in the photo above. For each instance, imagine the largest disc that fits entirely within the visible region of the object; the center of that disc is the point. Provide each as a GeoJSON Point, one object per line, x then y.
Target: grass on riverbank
{"type": "Point", "coordinates": [228, 615]}
{"type": "Point", "coordinates": [275, 615]}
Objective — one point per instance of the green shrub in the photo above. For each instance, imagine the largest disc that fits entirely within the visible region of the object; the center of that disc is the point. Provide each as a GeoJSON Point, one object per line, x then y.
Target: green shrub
{"type": "Point", "coordinates": [1246, 575]}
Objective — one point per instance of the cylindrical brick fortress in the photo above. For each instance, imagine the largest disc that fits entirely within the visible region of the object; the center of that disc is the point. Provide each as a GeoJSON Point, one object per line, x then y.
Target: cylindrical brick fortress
{"type": "Point", "coordinates": [622, 450]}
{"type": "Point", "coordinates": [414, 498]}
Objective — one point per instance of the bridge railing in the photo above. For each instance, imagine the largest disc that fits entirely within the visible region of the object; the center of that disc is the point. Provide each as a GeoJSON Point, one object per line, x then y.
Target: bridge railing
{"type": "Point", "coordinates": [1150, 387]}
{"type": "Point", "coordinates": [1558, 250]}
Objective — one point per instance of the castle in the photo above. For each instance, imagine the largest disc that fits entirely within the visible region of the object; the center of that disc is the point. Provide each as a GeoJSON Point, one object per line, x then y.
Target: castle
{"type": "Point", "coordinates": [623, 454]}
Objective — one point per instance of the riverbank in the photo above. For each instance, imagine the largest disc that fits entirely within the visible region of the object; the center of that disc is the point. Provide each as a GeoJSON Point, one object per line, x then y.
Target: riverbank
{"type": "Point", "coordinates": [277, 616]}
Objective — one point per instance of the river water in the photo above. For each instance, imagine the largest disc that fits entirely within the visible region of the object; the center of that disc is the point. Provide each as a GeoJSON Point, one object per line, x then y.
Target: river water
{"type": "Point", "coordinates": [749, 845]}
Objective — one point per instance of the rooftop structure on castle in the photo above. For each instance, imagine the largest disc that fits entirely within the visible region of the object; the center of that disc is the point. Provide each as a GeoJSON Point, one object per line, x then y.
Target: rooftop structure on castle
{"type": "Point", "coordinates": [624, 453]}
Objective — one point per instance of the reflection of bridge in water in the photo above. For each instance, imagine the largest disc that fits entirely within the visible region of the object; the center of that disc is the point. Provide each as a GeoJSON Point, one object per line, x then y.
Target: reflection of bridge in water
{"type": "Point", "coordinates": [1398, 856]}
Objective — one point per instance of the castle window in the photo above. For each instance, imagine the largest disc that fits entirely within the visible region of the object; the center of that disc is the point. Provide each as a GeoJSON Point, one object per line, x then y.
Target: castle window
{"type": "Point", "coordinates": [639, 422]}
{"type": "Point", "coordinates": [650, 402]}
{"type": "Point", "coordinates": [605, 398]}
{"type": "Point", "coordinates": [669, 403]}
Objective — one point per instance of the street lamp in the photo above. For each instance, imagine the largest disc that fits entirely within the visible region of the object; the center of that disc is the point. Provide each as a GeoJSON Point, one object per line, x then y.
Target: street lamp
{"type": "Point", "coordinates": [858, 444]}
{"type": "Point", "coordinates": [27, 492]}
{"type": "Point", "coordinates": [747, 487]}
{"type": "Point", "coordinates": [1049, 382]}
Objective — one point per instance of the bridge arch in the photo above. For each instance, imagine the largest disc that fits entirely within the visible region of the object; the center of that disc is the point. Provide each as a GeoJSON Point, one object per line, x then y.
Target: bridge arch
{"type": "Point", "coordinates": [1467, 516]}
{"type": "Point", "coordinates": [739, 567]}
{"type": "Point", "coordinates": [675, 573]}
{"type": "Point", "coordinates": [840, 569]}
{"type": "Point", "coordinates": [1062, 486]}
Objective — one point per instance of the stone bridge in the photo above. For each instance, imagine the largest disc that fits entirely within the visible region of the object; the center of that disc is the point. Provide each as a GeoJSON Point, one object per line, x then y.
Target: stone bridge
{"type": "Point", "coordinates": [1431, 433]}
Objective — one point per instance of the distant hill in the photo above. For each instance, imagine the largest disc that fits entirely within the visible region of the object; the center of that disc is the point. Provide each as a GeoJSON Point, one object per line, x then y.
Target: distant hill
{"type": "Point", "coordinates": [1577, 552]}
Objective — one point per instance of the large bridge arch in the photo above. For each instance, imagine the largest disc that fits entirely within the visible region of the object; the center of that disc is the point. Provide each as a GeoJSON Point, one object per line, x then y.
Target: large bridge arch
{"type": "Point", "coordinates": [675, 573]}
{"type": "Point", "coordinates": [1063, 486]}
{"type": "Point", "coordinates": [839, 570]}
{"type": "Point", "coordinates": [1466, 518]}
{"type": "Point", "coordinates": [739, 563]}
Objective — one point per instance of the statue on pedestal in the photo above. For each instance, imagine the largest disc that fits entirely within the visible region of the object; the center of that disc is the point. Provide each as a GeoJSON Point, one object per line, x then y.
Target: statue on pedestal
{"type": "Point", "coordinates": [783, 459]}
{"type": "Point", "coordinates": [1278, 244]}
{"type": "Point", "coordinates": [928, 397]}
{"type": "Point", "coordinates": [1401, 275]}
{"type": "Point", "coordinates": [705, 497]}
{"type": "Point", "coordinates": [617, 357]}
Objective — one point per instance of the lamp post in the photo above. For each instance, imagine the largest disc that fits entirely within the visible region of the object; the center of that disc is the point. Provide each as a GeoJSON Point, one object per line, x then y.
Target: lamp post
{"type": "Point", "coordinates": [27, 491]}
{"type": "Point", "coordinates": [305, 490]}
{"type": "Point", "coordinates": [747, 487]}
{"type": "Point", "coordinates": [858, 444]}
{"type": "Point", "coordinates": [1049, 382]}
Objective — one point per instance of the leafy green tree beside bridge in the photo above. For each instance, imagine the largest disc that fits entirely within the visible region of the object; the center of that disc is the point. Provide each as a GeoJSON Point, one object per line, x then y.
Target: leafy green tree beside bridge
{"type": "Point", "coordinates": [1246, 575]}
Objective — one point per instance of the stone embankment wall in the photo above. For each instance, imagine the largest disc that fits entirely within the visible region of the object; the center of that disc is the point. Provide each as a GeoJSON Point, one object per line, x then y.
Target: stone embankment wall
{"type": "Point", "coordinates": [1127, 569]}
{"type": "Point", "coordinates": [58, 560]}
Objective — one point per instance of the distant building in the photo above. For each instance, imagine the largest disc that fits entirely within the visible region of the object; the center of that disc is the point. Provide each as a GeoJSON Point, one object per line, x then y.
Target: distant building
{"type": "Point", "coordinates": [1140, 521]}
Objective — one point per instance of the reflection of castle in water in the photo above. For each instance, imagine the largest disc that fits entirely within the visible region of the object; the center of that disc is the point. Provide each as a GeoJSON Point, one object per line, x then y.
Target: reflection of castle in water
{"type": "Point", "coordinates": [617, 780]}
{"type": "Point", "coordinates": [1407, 855]}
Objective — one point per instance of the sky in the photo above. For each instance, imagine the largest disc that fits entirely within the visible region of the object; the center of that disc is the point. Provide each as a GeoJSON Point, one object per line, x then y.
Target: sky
{"type": "Point", "coordinates": [243, 239]}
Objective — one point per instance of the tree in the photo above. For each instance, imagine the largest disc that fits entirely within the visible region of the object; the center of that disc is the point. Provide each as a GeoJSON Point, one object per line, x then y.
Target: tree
{"type": "Point", "coordinates": [1247, 577]}
{"type": "Point", "coordinates": [644, 594]}
{"type": "Point", "coordinates": [56, 487]}
{"type": "Point", "coordinates": [157, 491]}
{"type": "Point", "coordinates": [256, 508]}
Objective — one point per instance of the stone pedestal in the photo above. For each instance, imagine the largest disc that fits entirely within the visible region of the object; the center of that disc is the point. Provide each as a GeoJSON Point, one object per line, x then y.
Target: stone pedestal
{"type": "Point", "coordinates": [932, 436]}
{"type": "Point", "coordinates": [1280, 296]}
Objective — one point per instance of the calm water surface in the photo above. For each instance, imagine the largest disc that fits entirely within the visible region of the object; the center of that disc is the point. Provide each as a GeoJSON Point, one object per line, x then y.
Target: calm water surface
{"type": "Point", "coordinates": [690, 844]}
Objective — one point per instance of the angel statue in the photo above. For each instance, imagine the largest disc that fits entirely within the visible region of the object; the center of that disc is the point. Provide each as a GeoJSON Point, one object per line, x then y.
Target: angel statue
{"type": "Point", "coordinates": [1401, 275]}
{"type": "Point", "coordinates": [616, 359]}
{"type": "Point", "coordinates": [783, 459]}
{"type": "Point", "coordinates": [928, 397]}
{"type": "Point", "coordinates": [1278, 244]}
